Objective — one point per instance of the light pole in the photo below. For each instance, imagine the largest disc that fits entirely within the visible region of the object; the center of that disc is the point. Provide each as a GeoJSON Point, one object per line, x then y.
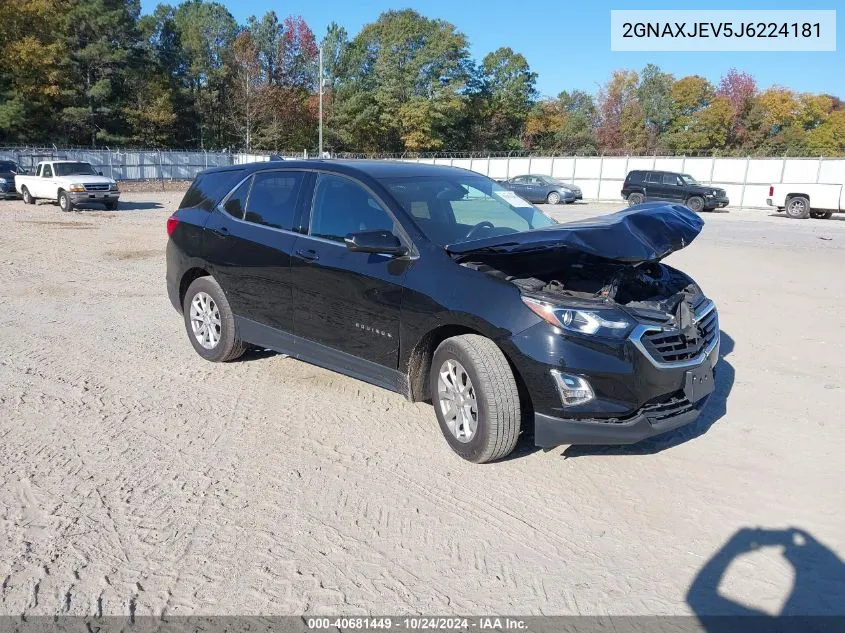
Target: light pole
{"type": "Point", "coordinates": [320, 79]}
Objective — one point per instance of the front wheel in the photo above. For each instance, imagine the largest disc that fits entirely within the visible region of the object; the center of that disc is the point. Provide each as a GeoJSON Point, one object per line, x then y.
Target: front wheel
{"type": "Point", "coordinates": [64, 202]}
{"type": "Point", "coordinates": [696, 203]}
{"type": "Point", "coordinates": [475, 398]}
{"type": "Point", "coordinates": [210, 323]}
{"type": "Point", "coordinates": [553, 197]}
{"type": "Point", "coordinates": [111, 206]}
{"type": "Point", "coordinates": [27, 197]}
{"type": "Point", "coordinates": [798, 208]}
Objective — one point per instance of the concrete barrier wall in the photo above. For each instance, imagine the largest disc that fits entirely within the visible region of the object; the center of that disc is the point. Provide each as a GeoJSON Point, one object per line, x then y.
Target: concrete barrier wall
{"type": "Point", "coordinates": [746, 180]}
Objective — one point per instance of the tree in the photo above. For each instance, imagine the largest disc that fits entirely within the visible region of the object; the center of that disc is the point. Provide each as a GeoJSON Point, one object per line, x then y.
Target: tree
{"type": "Point", "coordinates": [206, 32]}
{"type": "Point", "coordinates": [738, 89]}
{"type": "Point", "coordinates": [654, 95]}
{"type": "Point", "coordinates": [100, 38]}
{"type": "Point", "coordinates": [404, 58]}
{"type": "Point", "coordinates": [507, 92]}
{"type": "Point", "coordinates": [622, 121]}
{"type": "Point", "coordinates": [31, 77]}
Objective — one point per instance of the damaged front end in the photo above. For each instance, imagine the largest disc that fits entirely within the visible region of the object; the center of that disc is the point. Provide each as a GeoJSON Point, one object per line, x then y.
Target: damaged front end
{"type": "Point", "coordinates": [627, 344]}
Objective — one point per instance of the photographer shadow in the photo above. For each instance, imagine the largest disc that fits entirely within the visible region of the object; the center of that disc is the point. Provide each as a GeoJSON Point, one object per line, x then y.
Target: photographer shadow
{"type": "Point", "coordinates": [818, 588]}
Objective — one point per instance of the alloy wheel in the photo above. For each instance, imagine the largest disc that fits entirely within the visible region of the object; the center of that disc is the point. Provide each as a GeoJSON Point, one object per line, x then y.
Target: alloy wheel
{"type": "Point", "coordinates": [458, 402]}
{"type": "Point", "coordinates": [205, 320]}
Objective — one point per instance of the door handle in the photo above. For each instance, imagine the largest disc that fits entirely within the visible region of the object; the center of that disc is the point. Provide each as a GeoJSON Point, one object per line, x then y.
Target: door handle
{"type": "Point", "coordinates": [222, 231]}
{"type": "Point", "coordinates": [308, 254]}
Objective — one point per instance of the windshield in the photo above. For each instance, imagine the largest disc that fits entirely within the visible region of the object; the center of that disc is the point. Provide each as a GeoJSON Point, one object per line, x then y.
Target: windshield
{"type": "Point", "coordinates": [549, 180]}
{"type": "Point", "coordinates": [688, 180]}
{"type": "Point", "coordinates": [74, 169]}
{"type": "Point", "coordinates": [461, 208]}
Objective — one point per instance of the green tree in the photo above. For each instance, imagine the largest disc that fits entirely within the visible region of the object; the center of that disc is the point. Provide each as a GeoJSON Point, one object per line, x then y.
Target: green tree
{"type": "Point", "coordinates": [507, 93]}
{"type": "Point", "coordinates": [654, 95]}
{"type": "Point", "coordinates": [100, 38]}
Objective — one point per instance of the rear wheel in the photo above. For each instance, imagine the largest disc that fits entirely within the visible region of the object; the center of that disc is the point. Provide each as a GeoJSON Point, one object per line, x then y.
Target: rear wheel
{"type": "Point", "coordinates": [696, 203]}
{"type": "Point", "coordinates": [635, 198]}
{"type": "Point", "coordinates": [475, 398]}
{"type": "Point", "coordinates": [64, 201]}
{"type": "Point", "coordinates": [210, 323]}
{"type": "Point", "coordinates": [553, 197]}
{"type": "Point", "coordinates": [798, 208]}
{"type": "Point", "coordinates": [27, 197]}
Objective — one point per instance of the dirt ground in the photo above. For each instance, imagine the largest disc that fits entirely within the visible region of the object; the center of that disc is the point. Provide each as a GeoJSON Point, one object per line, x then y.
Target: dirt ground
{"type": "Point", "coordinates": [138, 478]}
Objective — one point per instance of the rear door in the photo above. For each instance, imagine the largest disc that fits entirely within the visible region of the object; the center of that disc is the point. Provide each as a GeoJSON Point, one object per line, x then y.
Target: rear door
{"type": "Point", "coordinates": [248, 242]}
{"type": "Point", "coordinates": [654, 187]}
{"type": "Point", "coordinates": [344, 300]}
{"type": "Point", "coordinates": [673, 188]}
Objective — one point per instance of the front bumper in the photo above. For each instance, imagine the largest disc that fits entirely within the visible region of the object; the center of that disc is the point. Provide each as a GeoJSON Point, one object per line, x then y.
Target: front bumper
{"type": "Point", "coordinates": [635, 396]}
{"type": "Point", "coordinates": [716, 203]}
{"type": "Point", "coordinates": [660, 417]}
{"type": "Point", "coordinates": [83, 197]}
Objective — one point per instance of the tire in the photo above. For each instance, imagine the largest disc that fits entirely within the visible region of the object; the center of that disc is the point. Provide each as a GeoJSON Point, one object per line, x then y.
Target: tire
{"type": "Point", "coordinates": [27, 197]}
{"type": "Point", "coordinates": [695, 203]}
{"type": "Point", "coordinates": [635, 198]}
{"type": "Point", "coordinates": [111, 206]}
{"type": "Point", "coordinates": [64, 202]}
{"type": "Point", "coordinates": [553, 197]}
{"type": "Point", "coordinates": [209, 294]}
{"type": "Point", "coordinates": [798, 208]}
{"type": "Point", "coordinates": [821, 215]}
{"type": "Point", "coordinates": [490, 386]}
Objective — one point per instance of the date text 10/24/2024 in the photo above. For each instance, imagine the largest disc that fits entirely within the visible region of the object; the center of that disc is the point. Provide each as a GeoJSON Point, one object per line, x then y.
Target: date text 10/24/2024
{"type": "Point", "coordinates": [419, 623]}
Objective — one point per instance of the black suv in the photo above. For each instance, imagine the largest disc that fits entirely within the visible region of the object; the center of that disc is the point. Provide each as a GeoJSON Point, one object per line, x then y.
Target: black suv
{"type": "Point", "coordinates": [645, 186]}
{"type": "Point", "coordinates": [438, 283]}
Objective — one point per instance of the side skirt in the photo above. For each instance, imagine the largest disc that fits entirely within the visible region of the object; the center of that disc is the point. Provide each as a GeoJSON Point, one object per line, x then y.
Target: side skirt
{"type": "Point", "coordinates": [321, 355]}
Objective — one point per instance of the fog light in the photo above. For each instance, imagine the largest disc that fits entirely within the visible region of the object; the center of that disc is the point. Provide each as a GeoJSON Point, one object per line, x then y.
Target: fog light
{"type": "Point", "coordinates": [573, 390]}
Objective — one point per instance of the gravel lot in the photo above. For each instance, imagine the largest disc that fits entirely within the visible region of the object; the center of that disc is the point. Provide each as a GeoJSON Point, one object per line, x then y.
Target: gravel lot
{"type": "Point", "coordinates": [139, 478]}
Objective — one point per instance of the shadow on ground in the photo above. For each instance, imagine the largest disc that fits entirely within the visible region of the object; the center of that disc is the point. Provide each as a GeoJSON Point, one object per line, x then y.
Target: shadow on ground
{"type": "Point", "coordinates": [818, 588]}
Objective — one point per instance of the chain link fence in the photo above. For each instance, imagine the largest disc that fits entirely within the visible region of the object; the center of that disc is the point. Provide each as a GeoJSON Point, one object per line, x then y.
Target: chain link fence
{"type": "Point", "coordinates": [746, 179]}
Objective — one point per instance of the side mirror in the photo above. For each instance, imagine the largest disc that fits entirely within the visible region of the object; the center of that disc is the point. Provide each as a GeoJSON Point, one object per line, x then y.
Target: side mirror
{"type": "Point", "coordinates": [380, 241]}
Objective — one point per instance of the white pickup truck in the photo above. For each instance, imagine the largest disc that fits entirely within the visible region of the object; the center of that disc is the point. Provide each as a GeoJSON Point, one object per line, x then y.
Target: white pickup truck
{"type": "Point", "coordinates": [70, 183]}
{"type": "Point", "coordinates": [803, 200]}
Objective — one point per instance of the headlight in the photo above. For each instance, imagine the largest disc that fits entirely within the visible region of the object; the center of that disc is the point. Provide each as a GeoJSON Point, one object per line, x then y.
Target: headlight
{"type": "Point", "coordinates": [114, 187]}
{"type": "Point", "coordinates": [600, 322]}
{"type": "Point", "coordinates": [76, 188]}
{"type": "Point", "coordinates": [4, 181]}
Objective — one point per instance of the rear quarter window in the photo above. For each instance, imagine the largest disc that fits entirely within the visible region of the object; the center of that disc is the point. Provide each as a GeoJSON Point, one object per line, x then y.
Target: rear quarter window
{"type": "Point", "coordinates": [210, 188]}
{"type": "Point", "coordinates": [636, 176]}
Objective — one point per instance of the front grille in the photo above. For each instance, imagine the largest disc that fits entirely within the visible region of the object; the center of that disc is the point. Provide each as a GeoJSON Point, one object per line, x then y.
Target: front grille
{"type": "Point", "coordinates": [98, 187]}
{"type": "Point", "coordinates": [672, 407]}
{"type": "Point", "coordinates": [673, 347]}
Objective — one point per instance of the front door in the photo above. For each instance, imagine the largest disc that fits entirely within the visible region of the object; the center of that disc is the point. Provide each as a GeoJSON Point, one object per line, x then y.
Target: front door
{"type": "Point", "coordinates": [44, 187]}
{"type": "Point", "coordinates": [344, 300]}
{"type": "Point", "coordinates": [673, 188]}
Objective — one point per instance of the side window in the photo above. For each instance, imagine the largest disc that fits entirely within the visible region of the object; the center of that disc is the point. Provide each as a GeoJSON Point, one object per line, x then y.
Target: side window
{"type": "Point", "coordinates": [654, 177]}
{"type": "Point", "coordinates": [236, 204]}
{"type": "Point", "coordinates": [272, 199]}
{"type": "Point", "coordinates": [670, 179]}
{"type": "Point", "coordinates": [47, 172]}
{"type": "Point", "coordinates": [342, 206]}
{"type": "Point", "coordinates": [38, 170]}
{"type": "Point", "coordinates": [636, 176]}
{"type": "Point", "coordinates": [521, 180]}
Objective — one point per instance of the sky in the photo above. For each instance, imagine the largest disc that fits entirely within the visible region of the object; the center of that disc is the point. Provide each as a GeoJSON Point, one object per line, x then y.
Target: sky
{"type": "Point", "coordinates": [568, 43]}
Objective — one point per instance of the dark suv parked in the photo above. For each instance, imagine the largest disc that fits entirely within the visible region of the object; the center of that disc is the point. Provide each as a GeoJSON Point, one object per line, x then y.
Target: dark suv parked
{"type": "Point", "coordinates": [440, 284]}
{"type": "Point", "coordinates": [8, 170]}
{"type": "Point", "coordinates": [644, 186]}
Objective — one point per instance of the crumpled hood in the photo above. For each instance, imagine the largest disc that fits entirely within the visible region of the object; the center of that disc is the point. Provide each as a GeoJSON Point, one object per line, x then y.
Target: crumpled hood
{"type": "Point", "coordinates": [643, 233]}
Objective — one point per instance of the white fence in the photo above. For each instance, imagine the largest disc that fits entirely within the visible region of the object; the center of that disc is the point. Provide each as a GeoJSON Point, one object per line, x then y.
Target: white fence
{"type": "Point", "coordinates": [746, 180]}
